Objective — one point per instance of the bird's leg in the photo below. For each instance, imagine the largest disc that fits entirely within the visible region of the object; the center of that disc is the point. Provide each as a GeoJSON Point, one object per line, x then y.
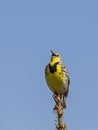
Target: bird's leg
{"type": "Point", "coordinates": [56, 98]}
{"type": "Point", "coordinates": [57, 101]}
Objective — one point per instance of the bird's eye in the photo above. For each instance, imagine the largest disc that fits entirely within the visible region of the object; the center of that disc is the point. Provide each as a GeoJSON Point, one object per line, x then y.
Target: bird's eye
{"type": "Point", "coordinates": [57, 55]}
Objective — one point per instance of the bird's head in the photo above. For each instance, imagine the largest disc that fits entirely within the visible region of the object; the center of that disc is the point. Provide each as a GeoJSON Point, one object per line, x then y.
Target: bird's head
{"type": "Point", "coordinates": [55, 57]}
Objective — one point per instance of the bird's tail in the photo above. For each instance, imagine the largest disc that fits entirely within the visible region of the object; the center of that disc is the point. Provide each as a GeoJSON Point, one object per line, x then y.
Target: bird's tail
{"type": "Point", "coordinates": [63, 101]}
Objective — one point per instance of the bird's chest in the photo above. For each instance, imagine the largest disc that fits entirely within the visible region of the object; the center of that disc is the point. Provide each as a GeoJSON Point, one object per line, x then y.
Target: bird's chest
{"type": "Point", "coordinates": [55, 81]}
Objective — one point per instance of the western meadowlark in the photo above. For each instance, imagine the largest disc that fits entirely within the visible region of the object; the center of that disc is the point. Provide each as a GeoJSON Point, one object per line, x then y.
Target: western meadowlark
{"type": "Point", "coordinates": [57, 77]}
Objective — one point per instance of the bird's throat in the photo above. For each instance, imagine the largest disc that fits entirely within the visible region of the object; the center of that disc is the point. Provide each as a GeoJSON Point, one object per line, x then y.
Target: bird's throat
{"type": "Point", "coordinates": [53, 68]}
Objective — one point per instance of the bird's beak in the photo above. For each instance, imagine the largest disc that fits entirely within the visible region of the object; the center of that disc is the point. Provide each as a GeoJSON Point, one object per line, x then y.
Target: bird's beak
{"type": "Point", "coordinates": [52, 52]}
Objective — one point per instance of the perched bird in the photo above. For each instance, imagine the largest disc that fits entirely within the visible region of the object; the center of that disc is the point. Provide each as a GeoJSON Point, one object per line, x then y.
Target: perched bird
{"type": "Point", "coordinates": [57, 77]}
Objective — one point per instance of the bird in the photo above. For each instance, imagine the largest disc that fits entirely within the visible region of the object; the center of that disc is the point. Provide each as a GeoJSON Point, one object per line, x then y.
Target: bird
{"type": "Point", "coordinates": [57, 77]}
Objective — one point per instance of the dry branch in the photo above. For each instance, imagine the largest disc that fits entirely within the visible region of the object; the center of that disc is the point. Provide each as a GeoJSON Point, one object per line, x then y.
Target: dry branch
{"type": "Point", "coordinates": [59, 109]}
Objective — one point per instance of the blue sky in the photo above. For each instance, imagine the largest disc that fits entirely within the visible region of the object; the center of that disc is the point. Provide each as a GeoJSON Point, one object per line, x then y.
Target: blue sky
{"type": "Point", "coordinates": [28, 31]}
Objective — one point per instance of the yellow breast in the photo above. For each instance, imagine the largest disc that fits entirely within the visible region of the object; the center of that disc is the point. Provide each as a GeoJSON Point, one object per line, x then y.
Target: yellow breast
{"type": "Point", "coordinates": [55, 80]}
